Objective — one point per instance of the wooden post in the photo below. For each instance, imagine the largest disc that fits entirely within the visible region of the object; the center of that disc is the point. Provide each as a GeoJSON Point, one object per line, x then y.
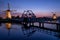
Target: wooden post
{"type": "Point", "coordinates": [58, 27]}
{"type": "Point", "coordinates": [39, 24]}
{"type": "Point", "coordinates": [29, 24]}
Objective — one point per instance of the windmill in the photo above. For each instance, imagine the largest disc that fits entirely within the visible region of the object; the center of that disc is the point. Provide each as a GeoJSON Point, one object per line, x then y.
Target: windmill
{"type": "Point", "coordinates": [8, 12]}
{"type": "Point", "coordinates": [54, 16]}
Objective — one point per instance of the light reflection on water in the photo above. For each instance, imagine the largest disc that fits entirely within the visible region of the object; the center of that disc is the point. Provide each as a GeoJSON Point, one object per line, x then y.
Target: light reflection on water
{"type": "Point", "coordinates": [22, 32]}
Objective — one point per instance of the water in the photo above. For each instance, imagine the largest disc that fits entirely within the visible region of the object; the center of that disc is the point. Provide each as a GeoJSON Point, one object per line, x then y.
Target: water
{"type": "Point", "coordinates": [51, 26]}
{"type": "Point", "coordinates": [14, 31]}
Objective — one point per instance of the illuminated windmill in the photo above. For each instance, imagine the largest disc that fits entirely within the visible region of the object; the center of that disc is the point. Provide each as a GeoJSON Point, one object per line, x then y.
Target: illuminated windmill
{"type": "Point", "coordinates": [8, 12]}
{"type": "Point", "coordinates": [54, 17]}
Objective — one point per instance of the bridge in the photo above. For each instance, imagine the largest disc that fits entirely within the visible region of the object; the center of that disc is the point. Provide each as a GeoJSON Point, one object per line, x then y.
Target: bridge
{"type": "Point", "coordinates": [28, 17]}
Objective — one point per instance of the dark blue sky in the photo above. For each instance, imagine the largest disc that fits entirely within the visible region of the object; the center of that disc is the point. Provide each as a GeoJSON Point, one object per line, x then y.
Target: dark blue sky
{"type": "Point", "coordinates": [34, 5]}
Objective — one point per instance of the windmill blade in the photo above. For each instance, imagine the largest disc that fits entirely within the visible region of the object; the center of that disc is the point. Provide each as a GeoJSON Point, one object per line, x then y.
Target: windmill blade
{"type": "Point", "coordinates": [2, 12]}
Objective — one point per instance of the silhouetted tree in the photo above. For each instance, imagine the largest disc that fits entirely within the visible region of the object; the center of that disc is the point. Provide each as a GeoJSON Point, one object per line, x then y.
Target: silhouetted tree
{"type": "Point", "coordinates": [18, 17]}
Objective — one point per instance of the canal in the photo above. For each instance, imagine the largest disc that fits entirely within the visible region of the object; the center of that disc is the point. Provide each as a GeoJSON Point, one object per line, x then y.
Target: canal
{"type": "Point", "coordinates": [14, 31]}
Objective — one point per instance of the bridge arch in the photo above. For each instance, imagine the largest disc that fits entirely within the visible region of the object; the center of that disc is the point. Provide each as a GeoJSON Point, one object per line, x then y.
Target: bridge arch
{"type": "Point", "coordinates": [28, 13]}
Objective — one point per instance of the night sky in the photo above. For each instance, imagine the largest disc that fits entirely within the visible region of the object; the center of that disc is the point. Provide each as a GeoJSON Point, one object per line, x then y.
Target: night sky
{"type": "Point", "coordinates": [39, 7]}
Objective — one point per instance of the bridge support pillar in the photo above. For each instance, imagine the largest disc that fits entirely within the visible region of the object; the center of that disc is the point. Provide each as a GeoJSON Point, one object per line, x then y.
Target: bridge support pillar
{"type": "Point", "coordinates": [29, 24]}
{"type": "Point", "coordinates": [39, 24]}
{"type": "Point", "coordinates": [58, 27]}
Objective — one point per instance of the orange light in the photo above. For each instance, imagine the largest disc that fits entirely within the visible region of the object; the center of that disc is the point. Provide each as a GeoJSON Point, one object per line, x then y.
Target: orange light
{"type": "Point", "coordinates": [8, 25]}
{"type": "Point", "coordinates": [54, 16]}
{"type": "Point", "coordinates": [8, 14]}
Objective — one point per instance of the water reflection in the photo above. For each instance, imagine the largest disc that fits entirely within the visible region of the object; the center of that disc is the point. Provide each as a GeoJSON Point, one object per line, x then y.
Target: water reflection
{"type": "Point", "coordinates": [8, 26]}
{"type": "Point", "coordinates": [0, 24]}
{"type": "Point", "coordinates": [25, 32]}
{"type": "Point", "coordinates": [28, 31]}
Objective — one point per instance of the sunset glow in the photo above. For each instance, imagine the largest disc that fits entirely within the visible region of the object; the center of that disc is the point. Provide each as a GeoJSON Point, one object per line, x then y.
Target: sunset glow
{"type": "Point", "coordinates": [39, 7]}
